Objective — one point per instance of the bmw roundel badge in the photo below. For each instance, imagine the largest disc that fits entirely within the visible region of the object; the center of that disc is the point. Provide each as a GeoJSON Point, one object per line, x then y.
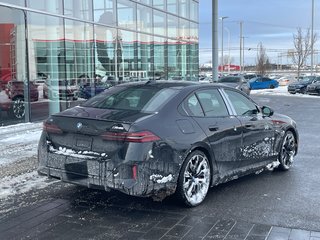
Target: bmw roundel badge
{"type": "Point", "coordinates": [79, 125]}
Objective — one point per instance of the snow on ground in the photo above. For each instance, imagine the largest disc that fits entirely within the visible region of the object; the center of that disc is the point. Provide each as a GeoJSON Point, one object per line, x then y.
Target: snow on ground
{"type": "Point", "coordinates": [23, 183]}
{"type": "Point", "coordinates": [281, 91]}
{"type": "Point", "coordinates": [18, 142]}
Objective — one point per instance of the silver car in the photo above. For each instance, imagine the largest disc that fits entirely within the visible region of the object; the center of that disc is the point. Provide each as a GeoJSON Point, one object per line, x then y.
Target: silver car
{"type": "Point", "coordinates": [238, 82]}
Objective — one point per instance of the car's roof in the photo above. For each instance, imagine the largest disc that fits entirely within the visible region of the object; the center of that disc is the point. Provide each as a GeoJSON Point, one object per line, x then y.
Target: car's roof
{"type": "Point", "coordinates": [161, 84]}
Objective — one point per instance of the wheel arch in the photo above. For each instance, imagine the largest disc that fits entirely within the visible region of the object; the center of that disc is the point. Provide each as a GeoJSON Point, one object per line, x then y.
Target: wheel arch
{"type": "Point", "coordinates": [296, 136]}
{"type": "Point", "coordinates": [207, 151]}
{"type": "Point", "coordinates": [17, 96]}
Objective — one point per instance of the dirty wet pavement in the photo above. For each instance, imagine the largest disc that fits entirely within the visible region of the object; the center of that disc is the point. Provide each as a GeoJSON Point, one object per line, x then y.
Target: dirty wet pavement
{"type": "Point", "coordinates": [271, 205]}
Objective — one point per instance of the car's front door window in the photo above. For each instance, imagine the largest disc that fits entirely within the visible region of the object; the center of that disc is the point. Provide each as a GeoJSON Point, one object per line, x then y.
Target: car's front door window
{"type": "Point", "coordinates": [242, 105]}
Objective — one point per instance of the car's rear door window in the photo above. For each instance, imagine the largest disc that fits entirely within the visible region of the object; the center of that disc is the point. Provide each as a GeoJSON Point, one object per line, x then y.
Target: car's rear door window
{"type": "Point", "coordinates": [212, 103]}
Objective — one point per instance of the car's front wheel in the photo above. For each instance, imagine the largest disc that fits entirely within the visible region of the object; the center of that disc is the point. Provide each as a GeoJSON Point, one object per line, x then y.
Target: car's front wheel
{"type": "Point", "coordinates": [288, 150]}
{"type": "Point", "coordinates": [194, 179]}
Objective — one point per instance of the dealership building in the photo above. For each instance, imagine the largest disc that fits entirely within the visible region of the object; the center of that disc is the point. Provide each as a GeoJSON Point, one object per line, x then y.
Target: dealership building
{"type": "Point", "coordinates": [50, 50]}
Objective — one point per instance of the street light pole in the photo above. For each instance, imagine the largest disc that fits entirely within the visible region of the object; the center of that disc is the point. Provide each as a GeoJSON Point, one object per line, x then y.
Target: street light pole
{"type": "Point", "coordinates": [222, 18]}
{"type": "Point", "coordinates": [312, 38]}
{"type": "Point", "coordinates": [228, 49]}
{"type": "Point", "coordinates": [215, 46]}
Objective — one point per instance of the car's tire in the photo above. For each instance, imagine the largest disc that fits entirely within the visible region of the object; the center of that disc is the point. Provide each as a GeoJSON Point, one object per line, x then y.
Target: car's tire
{"type": "Point", "coordinates": [271, 87]}
{"type": "Point", "coordinates": [18, 109]}
{"type": "Point", "coordinates": [287, 151]}
{"type": "Point", "coordinates": [194, 179]}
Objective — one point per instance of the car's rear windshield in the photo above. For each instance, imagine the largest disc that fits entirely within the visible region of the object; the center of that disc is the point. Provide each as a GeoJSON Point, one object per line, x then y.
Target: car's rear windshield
{"type": "Point", "coordinates": [142, 98]}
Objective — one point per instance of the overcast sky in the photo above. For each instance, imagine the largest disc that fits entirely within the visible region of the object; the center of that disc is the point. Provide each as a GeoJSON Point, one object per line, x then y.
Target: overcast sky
{"type": "Point", "coordinates": [271, 22]}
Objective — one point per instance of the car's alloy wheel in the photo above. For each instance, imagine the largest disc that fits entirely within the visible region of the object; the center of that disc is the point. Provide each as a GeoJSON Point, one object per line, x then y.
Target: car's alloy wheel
{"type": "Point", "coordinates": [18, 108]}
{"type": "Point", "coordinates": [288, 150]}
{"type": "Point", "coordinates": [194, 179]}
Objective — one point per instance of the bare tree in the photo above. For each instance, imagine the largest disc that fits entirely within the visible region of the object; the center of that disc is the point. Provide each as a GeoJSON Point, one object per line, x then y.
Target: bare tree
{"type": "Point", "coordinates": [303, 47]}
{"type": "Point", "coordinates": [228, 60]}
{"type": "Point", "coordinates": [262, 60]}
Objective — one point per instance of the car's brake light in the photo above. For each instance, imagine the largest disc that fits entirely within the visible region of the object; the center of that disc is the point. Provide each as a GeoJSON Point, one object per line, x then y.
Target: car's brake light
{"type": "Point", "coordinates": [138, 137]}
{"type": "Point", "coordinates": [51, 128]}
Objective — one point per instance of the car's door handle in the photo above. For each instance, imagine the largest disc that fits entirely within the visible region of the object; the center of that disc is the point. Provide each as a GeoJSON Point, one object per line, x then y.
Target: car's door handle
{"type": "Point", "coordinates": [213, 128]}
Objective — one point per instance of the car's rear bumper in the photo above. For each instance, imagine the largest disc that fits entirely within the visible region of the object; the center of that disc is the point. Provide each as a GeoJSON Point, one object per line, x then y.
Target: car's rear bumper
{"type": "Point", "coordinates": [141, 178]}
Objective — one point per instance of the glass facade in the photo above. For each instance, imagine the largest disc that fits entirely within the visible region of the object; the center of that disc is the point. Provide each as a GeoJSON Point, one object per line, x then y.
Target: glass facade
{"type": "Point", "coordinates": [55, 53]}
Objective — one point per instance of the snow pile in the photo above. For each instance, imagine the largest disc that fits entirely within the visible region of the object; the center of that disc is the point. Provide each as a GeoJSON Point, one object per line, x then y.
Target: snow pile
{"type": "Point", "coordinates": [23, 183]}
{"type": "Point", "coordinates": [160, 179]}
{"type": "Point", "coordinates": [280, 91]}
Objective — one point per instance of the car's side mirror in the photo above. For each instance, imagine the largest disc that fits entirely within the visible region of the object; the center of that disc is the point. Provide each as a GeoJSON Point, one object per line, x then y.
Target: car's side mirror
{"type": "Point", "coordinates": [266, 111]}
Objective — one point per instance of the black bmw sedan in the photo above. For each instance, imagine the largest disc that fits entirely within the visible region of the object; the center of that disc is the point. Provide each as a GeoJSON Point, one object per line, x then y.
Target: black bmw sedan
{"type": "Point", "coordinates": [157, 138]}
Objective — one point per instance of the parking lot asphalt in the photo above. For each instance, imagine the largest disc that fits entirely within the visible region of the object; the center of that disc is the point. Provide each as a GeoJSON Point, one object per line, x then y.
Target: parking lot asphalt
{"type": "Point", "coordinates": [236, 210]}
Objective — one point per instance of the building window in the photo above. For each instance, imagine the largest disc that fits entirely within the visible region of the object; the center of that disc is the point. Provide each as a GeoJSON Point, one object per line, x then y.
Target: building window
{"type": "Point", "coordinates": [160, 23]}
{"type": "Point", "coordinates": [105, 12]}
{"type": "Point", "coordinates": [52, 6]}
{"type": "Point", "coordinates": [144, 19]}
{"type": "Point", "coordinates": [172, 6]}
{"type": "Point", "coordinates": [127, 14]}
{"type": "Point", "coordinates": [160, 4]}
{"type": "Point", "coordinates": [14, 85]}
{"type": "Point", "coordinates": [173, 27]}
{"type": "Point", "coordinates": [184, 8]}
{"type": "Point", "coordinates": [78, 9]}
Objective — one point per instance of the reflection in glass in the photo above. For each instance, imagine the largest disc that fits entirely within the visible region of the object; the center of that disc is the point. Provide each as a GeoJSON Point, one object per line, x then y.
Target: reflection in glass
{"type": "Point", "coordinates": [160, 23]}
{"type": "Point", "coordinates": [52, 6]}
{"type": "Point", "coordinates": [128, 63]}
{"type": "Point", "coordinates": [78, 9]}
{"type": "Point", "coordinates": [145, 58]}
{"type": "Point", "coordinates": [144, 19]}
{"type": "Point", "coordinates": [14, 94]}
{"type": "Point", "coordinates": [184, 26]}
{"type": "Point", "coordinates": [194, 32]}
{"type": "Point", "coordinates": [173, 27]}
{"type": "Point", "coordinates": [147, 2]}
{"type": "Point", "coordinates": [172, 6]}
{"type": "Point", "coordinates": [47, 57]}
{"type": "Point", "coordinates": [160, 58]}
{"type": "Point", "coordinates": [105, 12]}
{"type": "Point", "coordinates": [174, 56]}
{"type": "Point", "coordinates": [161, 4]}
{"type": "Point", "coordinates": [15, 2]}
{"type": "Point", "coordinates": [184, 8]}
{"type": "Point", "coordinates": [106, 43]}
{"type": "Point", "coordinates": [194, 13]}
{"type": "Point", "coordinates": [126, 14]}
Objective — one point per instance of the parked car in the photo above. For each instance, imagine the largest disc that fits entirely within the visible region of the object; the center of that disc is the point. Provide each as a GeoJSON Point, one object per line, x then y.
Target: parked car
{"type": "Point", "coordinates": [301, 86]}
{"type": "Point", "coordinates": [284, 81]}
{"type": "Point", "coordinates": [157, 138]}
{"type": "Point", "coordinates": [314, 88]}
{"type": "Point", "coordinates": [263, 83]}
{"type": "Point", "coordinates": [238, 82]}
{"type": "Point", "coordinates": [60, 89]}
{"type": "Point", "coordinates": [88, 90]}
{"type": "Point", "coordinates": [249, 76]}
{"type": "Point", "coordinates": [13, 97]}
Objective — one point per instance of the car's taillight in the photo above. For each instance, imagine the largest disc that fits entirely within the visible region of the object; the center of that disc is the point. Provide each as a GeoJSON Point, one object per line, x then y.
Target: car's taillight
{"type": "Point", "coordinates": [51, 128]}
{"type": "Point", "coordinates": [138, 137]}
